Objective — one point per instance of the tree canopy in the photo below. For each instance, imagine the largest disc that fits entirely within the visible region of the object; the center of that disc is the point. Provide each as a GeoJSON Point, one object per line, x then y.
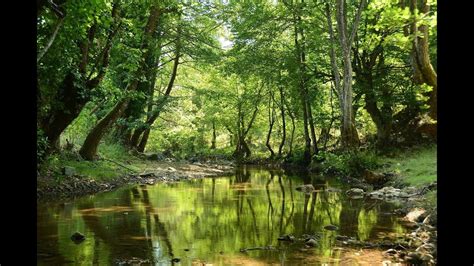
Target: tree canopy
{"type": "Point", "coordinates": [282, 80]}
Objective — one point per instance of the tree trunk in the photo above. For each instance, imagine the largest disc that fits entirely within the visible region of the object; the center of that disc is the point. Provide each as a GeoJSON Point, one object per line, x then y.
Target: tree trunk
{"type": "Point", "coordinates": [292, 135]}
{"type": "Point", "coordinates": [349, 135]}
{"type": "Point", "coordinates": [155, 114]}
{"type": "Point", "coordinates": [364, 68]}
{"type": "Point", "coordinates": [231, 136]}
{"type": "Point", "coordinates": [70, 95]}
{"type": "Point", "coordinates": [89, 148]}
{"type": "Point", "coordinates": [313, 132]}
{"type": "Point", "coordinates": [302, 90]}
{"type": "Point", "coordinates": [135, 109]}
{"type": "Point", "coordinates": [267, 143]}
{"type": "Point", "coordinates": [423, 70]}
{"type": "Point", "coordinates": [144, 140]}
{"type": "Point", "coordinates": [60, 118]}
{"type": "Point", "coordinates": [51, 40]}
{"type": "Point", "coordinates": [282, 110]}
{"type": "Point", "coordinates": [271, 122]}
{"type": "Point", "coordinates": [242, 149]}
{"type": "Point", "coordinates": [214, 137]}
{"type": "Point", "coordinates": [383, 126]}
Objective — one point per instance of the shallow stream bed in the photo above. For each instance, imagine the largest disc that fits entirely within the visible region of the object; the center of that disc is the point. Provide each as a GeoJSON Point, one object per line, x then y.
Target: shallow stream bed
{"type": "Point", "coordinates": [209, 220]}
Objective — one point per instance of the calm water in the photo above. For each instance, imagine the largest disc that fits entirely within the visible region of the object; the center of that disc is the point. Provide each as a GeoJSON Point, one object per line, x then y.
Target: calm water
{"type": "Point", "coordinates": [210, 220]}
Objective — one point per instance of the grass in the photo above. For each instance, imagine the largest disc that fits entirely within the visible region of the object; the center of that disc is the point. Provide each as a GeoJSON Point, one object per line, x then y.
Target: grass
{"type": "Point", "coordinates": [416, 167]}
{"type": "Point", "coordinates": [100, 170]}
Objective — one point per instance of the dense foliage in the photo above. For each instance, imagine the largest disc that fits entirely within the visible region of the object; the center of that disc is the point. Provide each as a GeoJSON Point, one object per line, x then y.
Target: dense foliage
{"type": "Point", "coordinates": [291, 81]}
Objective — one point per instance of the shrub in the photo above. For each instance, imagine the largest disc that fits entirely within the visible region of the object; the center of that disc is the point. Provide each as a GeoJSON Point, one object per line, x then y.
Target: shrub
{"type": "Point", "coordinates": [347, 163]}
{"type": "Point", "coordinates": [297, 157]}
{"type": "Point", "coordinates": [41, 146]}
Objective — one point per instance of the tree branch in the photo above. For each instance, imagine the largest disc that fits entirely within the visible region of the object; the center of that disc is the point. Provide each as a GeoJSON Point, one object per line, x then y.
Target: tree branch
{"type": "Point", "coordinates": [356, 21]}
{"type": "Point", "coordinates": [51, 40]}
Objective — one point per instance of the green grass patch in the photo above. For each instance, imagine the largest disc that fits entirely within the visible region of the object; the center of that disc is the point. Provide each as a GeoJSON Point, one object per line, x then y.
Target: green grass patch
{"type": "Point", "coordinates": [100, 170]}
{"type": "Point", "coordinates": [417, 166]}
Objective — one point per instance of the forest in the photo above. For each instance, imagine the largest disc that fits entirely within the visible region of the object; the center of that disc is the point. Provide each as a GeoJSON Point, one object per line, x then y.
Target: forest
{"type": "Point", "coordinates": [148, 91]}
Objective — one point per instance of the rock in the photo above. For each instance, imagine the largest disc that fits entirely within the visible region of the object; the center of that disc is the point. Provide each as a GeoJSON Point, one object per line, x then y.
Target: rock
{"type": "Point", "coordinates": [342, 238]}
{"type": "Point", "coordinates": [409, 225]}
{"type": "Point", "coordinates": [414, 257]}
{"type": "Point", "coordinates": [311, 242]}
{"type": "Point", "coordinates": [427, 220]}
{"type": "Point", "coordinates": [403, 195]}
{"type": "Point", "coordinates": [307, 237]}
{"type": "Point", "coordinates": [386, 244]}
{"type": "Point", "coordinates": [331, 227]}
{"type": "Point", "coordinates": [152, 156]}
{"type": "Point", "coordinates": [305, 188]}
{"type": "Point", "coordinates": [391, 251]}
{"type": "Point", "coordinates": [389, 193]}
{"type": "Point", "coordinates": [353, 242]}
{"type": "Point", "coordinates": [78, 237]}
{"type": "Point", "coordinates": [150, 174]}
{"type": "Point", "coordinates": [150, 181]}
{"type": "Point", "coordinates": [355, 193]}
{"type": "Point", "coordinates": [426, 248]}
{"type": "Point", "coordinates": [286, 238]}
{"type": "Point", "coordinates": [376, 195]}
{"type": "Point", "coordinates": [414, 215]}
{"type": "Point", "coordinates": [426, 257]}
{"type": "Point", "coordinates": [171, 169]}
{"type": "Point", "coordinates": [410, 190]}
{"type": "Point", "coordinates": [69, 171]}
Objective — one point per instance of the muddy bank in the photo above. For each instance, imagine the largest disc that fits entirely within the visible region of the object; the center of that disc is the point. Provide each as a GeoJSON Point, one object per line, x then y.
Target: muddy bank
{"type": "Point", "coordinates": [75, 185]}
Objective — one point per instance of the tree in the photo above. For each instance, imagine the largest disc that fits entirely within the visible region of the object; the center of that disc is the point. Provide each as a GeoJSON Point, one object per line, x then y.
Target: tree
{"type": "Point", "coordinates": [63, 104]}
{"type": "Point", "coordinates": [423, 71]}
{"type": "Point", "coordinates": [89, 148]}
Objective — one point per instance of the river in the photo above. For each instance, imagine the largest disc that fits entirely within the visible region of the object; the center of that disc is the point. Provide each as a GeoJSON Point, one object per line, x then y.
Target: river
{"type": "Point", "coordinates": [208, 221]}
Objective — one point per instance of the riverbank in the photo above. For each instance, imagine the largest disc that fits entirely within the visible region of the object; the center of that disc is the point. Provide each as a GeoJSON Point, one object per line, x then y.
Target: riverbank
{"type": "Point", "coordinates": [74, 178]}
{"type": "Point", "coordinates": [412, 180]}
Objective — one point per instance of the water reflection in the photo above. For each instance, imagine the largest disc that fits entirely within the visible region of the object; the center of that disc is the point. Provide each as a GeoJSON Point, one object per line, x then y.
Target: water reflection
{"type": "Point", "coordinates": [209, 220]}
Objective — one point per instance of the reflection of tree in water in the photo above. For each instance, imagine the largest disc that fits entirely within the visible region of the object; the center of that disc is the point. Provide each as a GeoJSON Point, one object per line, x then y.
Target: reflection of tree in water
{"type": "Point", "coordinates": [242, 174]}
{"type": "Point", "coordinates": [213, 188]}
{"type": "Point", "coordinates": [282, 214]}
{"type": "Point", "coordinates": [307, 228]}
{"type": "Point", "coordinates": [349, 217]}
{"type": "Point", "coordinates": [292, 204]}
{"type": "Point", "coordinates": [305, 212]}
{"type": "Point", "coordinates": [270, 205]}
{"type": "Point", "coordinates": [117, 230]}
{"type": "Point", "coordinates": [374, 218]}
{"type": "Point", "coordinates": [47, 236]}
{"type": "Point", "coordinates": [160, 226]}
{"type": "Point", "coordinates": [362, 219]}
